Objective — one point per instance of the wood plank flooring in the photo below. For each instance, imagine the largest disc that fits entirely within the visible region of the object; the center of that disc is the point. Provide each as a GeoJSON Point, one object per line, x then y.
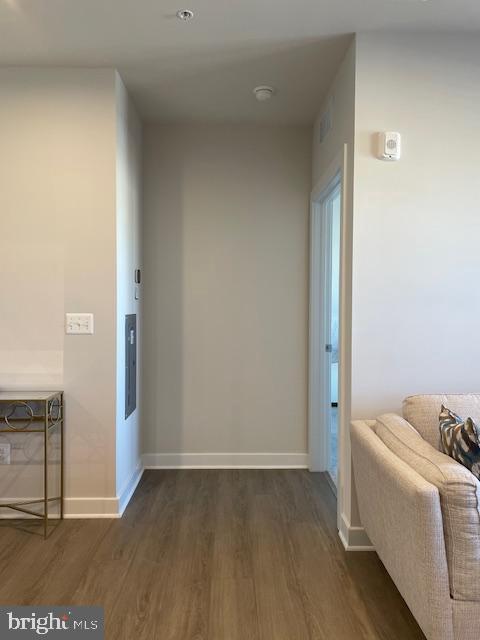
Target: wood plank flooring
{"type": "Point", "coordinates": [212, 555]}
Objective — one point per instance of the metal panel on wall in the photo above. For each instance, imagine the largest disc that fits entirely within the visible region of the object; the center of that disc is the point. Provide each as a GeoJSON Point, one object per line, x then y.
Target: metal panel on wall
{"type": "Point", "coordinates": [130, 364]}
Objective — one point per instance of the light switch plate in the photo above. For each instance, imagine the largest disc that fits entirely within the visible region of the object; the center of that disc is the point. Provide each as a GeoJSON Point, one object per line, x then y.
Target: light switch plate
{"type": "Point", "coordinates": [79, 323]}
{"type": "Point", "coordinates": [5, 453]}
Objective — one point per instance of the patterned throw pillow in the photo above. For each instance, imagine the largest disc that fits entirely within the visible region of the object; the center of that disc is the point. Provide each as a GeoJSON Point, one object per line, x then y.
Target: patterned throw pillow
{"type": "Point", "coordinates": [460, 439]}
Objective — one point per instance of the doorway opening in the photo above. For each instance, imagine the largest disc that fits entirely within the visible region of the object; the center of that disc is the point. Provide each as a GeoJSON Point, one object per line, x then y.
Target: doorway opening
{"type": "Point", "coordinates": [325, 321]}
{"type": "Point", "coordinates": [333, 211]}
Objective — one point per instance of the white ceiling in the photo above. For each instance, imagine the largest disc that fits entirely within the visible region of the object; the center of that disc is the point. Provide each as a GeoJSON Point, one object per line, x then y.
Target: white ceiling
{"type": "Point", "coordinates": [205, 69]}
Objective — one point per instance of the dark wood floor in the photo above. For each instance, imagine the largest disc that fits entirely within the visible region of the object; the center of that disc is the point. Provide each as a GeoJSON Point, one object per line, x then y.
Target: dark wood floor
{"type": "Point", "coordinates": [212, 555]}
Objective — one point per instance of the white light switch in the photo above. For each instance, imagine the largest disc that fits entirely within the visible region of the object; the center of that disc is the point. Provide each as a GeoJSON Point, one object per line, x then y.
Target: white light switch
{"type": "Point", "coordinates": [77, 323]}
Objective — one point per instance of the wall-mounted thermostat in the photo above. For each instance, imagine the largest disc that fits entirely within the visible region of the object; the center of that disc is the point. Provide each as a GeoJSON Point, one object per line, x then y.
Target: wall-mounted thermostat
{"type": "Point", "coordinates": [389, 145]}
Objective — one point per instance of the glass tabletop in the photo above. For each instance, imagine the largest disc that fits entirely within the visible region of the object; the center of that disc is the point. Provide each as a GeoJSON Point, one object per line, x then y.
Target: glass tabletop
{"type": "Point", "coordinates": [12, 396]}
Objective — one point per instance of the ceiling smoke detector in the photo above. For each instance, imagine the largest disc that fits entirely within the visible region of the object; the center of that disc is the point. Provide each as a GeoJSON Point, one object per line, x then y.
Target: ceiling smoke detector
{"type": "Point", "coordinates": [263, 93]}
{"type": "Point", "coordinates": [184, 14]}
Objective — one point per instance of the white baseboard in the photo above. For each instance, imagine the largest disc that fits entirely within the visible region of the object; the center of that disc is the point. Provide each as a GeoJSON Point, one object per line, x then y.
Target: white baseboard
{"type": "Point", "coordinates": [129, 489]}
{"type": "Point", "coordinates": [85, 508]}
{"type": "Point", "coordinates": [354, 538]}
{"type": "Point", "coordinates": [10, 514]}
{"type": "Point", "coordinates": [72, 508]}
{"type": "Point", "coordinates": [91, 508]}
{"type": "Point", "coordinates": [225, 460]}
{"type": "Point", "coordinates": [88, 507]}
{"type": "Point", "coordinates": [104, 507]}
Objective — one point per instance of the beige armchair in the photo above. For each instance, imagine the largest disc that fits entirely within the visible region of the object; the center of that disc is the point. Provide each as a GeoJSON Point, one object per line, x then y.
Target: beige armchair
{"type": "Point", "coordinates": [421, 510]}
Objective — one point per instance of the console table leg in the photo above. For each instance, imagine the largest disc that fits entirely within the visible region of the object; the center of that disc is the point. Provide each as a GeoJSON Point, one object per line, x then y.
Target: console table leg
{"type": "Point", "coordinates": [62, 452]}
{"type": "Point", "coordinates": [45, 474]}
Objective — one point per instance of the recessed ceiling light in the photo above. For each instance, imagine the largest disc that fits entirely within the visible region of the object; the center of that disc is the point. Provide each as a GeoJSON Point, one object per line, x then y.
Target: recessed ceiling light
{"type": "Point", "coordinates": [184, 14]}
{"type": "Point", "coordinates": [263, 93]}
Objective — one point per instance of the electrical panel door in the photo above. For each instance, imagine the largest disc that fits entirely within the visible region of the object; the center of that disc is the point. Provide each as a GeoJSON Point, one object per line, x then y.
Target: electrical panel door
{"type": "Point", "coordinates": [130, 364]}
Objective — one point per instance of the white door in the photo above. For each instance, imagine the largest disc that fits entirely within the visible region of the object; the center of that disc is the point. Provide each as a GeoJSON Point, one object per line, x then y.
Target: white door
{"type": "Point", "coordinates": [325, 329]}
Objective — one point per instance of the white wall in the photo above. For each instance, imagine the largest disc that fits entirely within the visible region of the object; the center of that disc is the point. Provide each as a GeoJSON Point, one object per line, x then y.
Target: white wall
{"type": "Point", "coordinates": [412, 226]}
{"type": "Point", "coordinates": [128, 252]}
{"type": "Point", "coordinates": [226, 250]}
{"type": "Point", "coordinates": [341, 97]}
{"type": "Point", "coordinates": [415, 257]}
{"type": "Point", "coordinates": [57, 254]}
{"type": "Point", "coordinates": [326, 155]}
{"type": "Point", "coordinates": [416, 261]}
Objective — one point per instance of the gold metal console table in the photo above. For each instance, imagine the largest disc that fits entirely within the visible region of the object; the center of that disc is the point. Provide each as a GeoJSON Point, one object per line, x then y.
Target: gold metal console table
{"type": "Point", "coordinates": [41, 412]}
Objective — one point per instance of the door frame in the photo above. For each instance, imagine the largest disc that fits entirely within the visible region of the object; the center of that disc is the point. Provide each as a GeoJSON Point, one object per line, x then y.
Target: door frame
{"type": "Point", "coordinates": [319, 385]}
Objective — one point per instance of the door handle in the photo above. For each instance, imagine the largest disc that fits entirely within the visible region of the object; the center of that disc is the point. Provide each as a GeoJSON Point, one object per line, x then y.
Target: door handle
{"type": "Point", "coordinates": [329, 348]}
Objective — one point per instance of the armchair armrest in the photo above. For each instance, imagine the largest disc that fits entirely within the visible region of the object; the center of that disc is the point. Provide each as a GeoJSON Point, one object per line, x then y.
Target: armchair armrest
{"type": "Point", "coordinates": [402, 516]}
